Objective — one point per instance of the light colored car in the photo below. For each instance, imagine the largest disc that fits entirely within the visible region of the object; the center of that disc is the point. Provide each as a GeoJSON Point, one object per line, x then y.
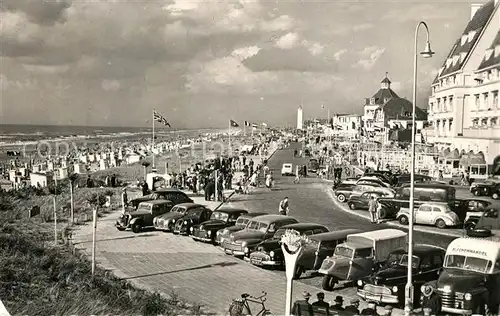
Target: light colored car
{"type": "Point", "coordinates": [287, 169]}
{"type": "Point", "coordinates": [438, 214]}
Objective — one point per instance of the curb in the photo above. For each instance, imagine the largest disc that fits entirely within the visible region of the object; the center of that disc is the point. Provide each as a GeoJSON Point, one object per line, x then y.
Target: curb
{"type": "Point", "coordinates": [367, 217]}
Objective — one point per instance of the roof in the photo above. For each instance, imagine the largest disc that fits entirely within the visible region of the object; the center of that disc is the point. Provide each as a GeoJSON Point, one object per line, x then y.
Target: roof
{"type": "Point", "coordinates": [492, 60]}
{"type": "Point", "coordinates": [428, 185]}
{"type": "Point", "coordinates": [475, 247]}
{"type": "Point", "coordinates": [271, 218]}
{"type": "Point", "coordinates": [385, 80]}
{"type": "Point", "coordinates": [189, 205]}
{"type": "Point", "coordinates": [384, 94]}
{"type": "Point", "coordinates": [419, 249]}
{"type": "Point", "coordinates": [253, 214]}
{"type": "Point", "coordinates": [336, 235]}
{"type": "Point", "coordinates": [303, 226]}
{"type": "Point", "coordinates": [477, 23]}
{"type": "Point", "coordinates": [382, 234]}
{"type": "Point", "coordinates": [231, 210]}
{"type": "Point", "coordinates": [168, 190]}
{"type": "Point", "coordinates": [400, 108]}
{"type": "Point", "coordinates": [154, 202]}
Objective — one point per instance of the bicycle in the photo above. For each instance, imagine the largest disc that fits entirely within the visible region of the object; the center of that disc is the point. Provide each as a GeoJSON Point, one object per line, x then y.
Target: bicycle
{"type": "Point", "coordinates": [241, 307]}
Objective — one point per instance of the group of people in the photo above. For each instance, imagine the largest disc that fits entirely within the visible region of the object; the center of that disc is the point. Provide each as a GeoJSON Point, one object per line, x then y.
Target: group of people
{"type": "Point", "coordinates": [304, 307]}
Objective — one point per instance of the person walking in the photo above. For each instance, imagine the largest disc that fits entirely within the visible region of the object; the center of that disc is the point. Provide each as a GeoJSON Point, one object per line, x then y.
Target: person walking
{"type": "Point", "coordinates": [302, 307]}
{"type": "Point", "coordinates": [283, 206]}
{"type": "Point", "coordinates": [354, 307]}
{"type": "Point", "coordinates": [337, 306]}
{"type": "Point", "coordinates": [320, 304]}
{"type": "Point", "coordinates": [269, 181]}
{"type": "Point", "coordinates": [372, 208]}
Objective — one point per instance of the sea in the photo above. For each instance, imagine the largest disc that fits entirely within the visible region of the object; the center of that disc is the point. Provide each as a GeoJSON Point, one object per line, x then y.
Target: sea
{"type": "Point", "coordinates": [12, 135]}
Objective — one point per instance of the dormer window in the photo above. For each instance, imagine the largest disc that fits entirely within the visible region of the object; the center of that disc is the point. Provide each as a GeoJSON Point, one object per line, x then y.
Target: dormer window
{"type": "Point", "coordinates": [471, 35]}
{"type": "Point", "coordinates": [455, 59]}
{"type": "Point", "coordinates": [462, 56]}
{"type": "Point", "coordinates": [488, 53]}
{"type": "Point", "coordinates": [497, 50]}
{"type": "Point", "coordinates": [372, 101]}
{"type": "Point", "coordinates": [464, 39]}
{"type": "Point", "coordinates": [449, 61]}
{"type": "Point", "coordinates": [386, 100]}
{"type": "Point", "coordinates": [440, 71]}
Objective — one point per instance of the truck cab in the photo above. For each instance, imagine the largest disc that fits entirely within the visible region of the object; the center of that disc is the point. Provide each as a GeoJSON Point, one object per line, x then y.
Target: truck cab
{"type": "Point", "coordinates": [470, 280]}
{"type": "Point", "coordinates": [360, 255]}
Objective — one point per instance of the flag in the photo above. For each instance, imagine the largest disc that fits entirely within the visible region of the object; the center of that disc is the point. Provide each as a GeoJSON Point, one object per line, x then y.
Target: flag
{"type": "Point", "coordinates": [254, 125]}
{"type": "Point", "coordinates": [264, 124]}
{"type": "Point", "coordinates": [247, 123]}
{"type": "Point", "coordinates": [322, 106]}
{"type": "Point", "coordinates": [160, 119]}
{"type": "Point", "coordinates": [233, 123]}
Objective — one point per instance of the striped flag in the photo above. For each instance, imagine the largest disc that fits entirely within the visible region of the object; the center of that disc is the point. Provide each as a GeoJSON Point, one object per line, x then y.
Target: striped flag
{"type": "Point", "coordinates": [233, 123]}
{"type": "Point", "coordinates": [264, 124]}
{"type": "Point", "coordinates": [247, 123]}
{"type": "Point", "coordinates": [322, 106]}
{"type": "Point", "coordinates": [160, 119]}
{"type": "Point", "coordinates": [254, 125]}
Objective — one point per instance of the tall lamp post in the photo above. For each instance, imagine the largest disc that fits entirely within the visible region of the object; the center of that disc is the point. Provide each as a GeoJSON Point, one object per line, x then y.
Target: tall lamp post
{"type": "Point", "coordinates": [427, 53]}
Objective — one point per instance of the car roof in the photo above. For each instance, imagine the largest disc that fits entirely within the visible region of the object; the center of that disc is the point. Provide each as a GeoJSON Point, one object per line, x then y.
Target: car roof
{"type": "Point", "coordinates": [480, 247]}
{"type": "Point", "coordinates": [303, 226]}
{"type": "Point", "coordinates": [158, 201]}
{"type": "Point", "coordinates": [189, 205]}
{"type": "Point", "coordinates": [428, 185]}
{"type": "Point", "coordinates": [336, 235]}
{"type": "Point", "coordinates": [381, 234]}
{"type": "Point", "coordinates": [421, 249]}
{"type": "Point", "coordinates": [287, 163]}
{"type": "Point", "coordinates": [231, 210]}
{"type": "Point", "coordinates": [272, 218]}
{"type": "Point", "coordinates": [253, 214]}
{"type": "Point", "coordinates": [170, 190]}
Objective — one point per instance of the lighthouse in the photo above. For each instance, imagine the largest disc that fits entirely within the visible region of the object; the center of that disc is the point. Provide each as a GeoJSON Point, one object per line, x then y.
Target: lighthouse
{"type": "Point", "coordinates": [299, 117]}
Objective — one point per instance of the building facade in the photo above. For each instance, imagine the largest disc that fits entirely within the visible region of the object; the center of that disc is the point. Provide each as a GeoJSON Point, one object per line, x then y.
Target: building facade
{"type": "Point", "coordinates": [385, 110]}
{"type": "Point", "coordinates": [299, 118]}
{"type": "Point", "coordinates": [346, 125]}
{"type": "Point", "coordinates": [464, 111]}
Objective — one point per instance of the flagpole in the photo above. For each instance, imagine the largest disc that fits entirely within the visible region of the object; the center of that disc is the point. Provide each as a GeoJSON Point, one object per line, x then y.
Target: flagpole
{"type": "Point", "coordinates": [229, 135]}
{"type": "Point", "coordinates": [153, 142]}
{"type": "Point", "coordinates": [245, 129]}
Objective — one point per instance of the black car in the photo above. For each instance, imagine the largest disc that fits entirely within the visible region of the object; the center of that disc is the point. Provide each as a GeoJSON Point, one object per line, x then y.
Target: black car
{"type": "Point", "coordinates": [184, 224]}
{"type": "Point", "coordinates": [360, 202]}
{"type": "Point", "coordinates": [166, 222]}
{"type": "Point", "coordinates": [221, 218]}
{"type": "Point", "coordinates": [174, 195]}
{"type": "Point", "coordinates": [269, 251]}
{"type": "Point", "coordinates": [387, 285]}
{"type": "Point", "coordinates": [487, 189]}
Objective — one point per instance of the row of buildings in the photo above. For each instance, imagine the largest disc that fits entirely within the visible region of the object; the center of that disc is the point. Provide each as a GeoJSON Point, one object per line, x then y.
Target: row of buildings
{"type": "Point", "coordinates": [462, 119]}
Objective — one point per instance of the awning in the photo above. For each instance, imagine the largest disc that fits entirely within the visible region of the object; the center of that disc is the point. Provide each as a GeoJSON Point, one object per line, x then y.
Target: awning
{"type": "Point", "coordinates": [453, 155]}
{"type": "Point", "coordinates": [472, 159]}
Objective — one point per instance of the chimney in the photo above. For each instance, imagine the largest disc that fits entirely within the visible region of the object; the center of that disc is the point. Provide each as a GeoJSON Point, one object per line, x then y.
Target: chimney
{"type": "Point", "coordinates": [474, 7]}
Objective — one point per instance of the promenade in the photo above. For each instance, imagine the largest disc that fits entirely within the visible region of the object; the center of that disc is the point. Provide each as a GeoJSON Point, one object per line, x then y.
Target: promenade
{"type": "Point", "coordinates": [202, 273]}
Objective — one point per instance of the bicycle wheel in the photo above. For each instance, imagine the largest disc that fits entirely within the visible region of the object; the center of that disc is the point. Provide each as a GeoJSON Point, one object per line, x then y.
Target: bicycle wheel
{"type": "Point", "coordinates": [267, 313]}
{"type": "Point", "coordinates": [238, 308]}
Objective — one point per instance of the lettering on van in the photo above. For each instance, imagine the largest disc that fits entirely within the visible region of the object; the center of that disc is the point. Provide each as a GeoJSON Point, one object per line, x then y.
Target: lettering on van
{"type": "Point", "coordinates": [470, 251]}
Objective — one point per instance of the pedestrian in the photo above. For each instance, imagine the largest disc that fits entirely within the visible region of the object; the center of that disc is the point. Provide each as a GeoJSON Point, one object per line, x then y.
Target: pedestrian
{"type": "Point", "coordinates": [379, 212]}
{"type": "Point", "coordinates": [269, 180]}
{"type": "Point", "coordinates": [372, 209]}
{"type": "Point", "coordinates": [388, 310]}
{"type": "Point", "coordinates": [431, 301]}
{"type": "Point", "coordinates": [283, 208]}
{"type": "Point", "coordinates": [320, 304]}
{"type": "Point", "coordinates": [371, 310]}
{"type": "Point", "coordinates": [145, 188]}
{"type": "Point", "coordinates": [124, 197]}
{"type": "Point", "coordinates": [302, 307]}
{"type": "Point", "coordinates": [354, 307]}
{"type": "Point", "coordinates": [337, 306]}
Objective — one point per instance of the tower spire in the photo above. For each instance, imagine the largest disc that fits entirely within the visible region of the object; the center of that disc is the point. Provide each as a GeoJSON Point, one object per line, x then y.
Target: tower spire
{"type": "Point", "coordinates": [386, 83]}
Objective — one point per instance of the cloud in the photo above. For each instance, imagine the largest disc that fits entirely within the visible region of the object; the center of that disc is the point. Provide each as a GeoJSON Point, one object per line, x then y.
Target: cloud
{"type": "Point", "coordinates": [27, 84]}
{"type": "Point", "coordinates": [39, 12]}
{"type": "Point", "coordinates": [435, 11]}
{"type": "Point", "coordinates": [245, 52]}
{"type": "Point", "coordinates": [315, 48]}
{"type": "Point", "coordinates": [362, 27]}
{"type": "Point", "coordinates": [369, 57]}
{"type": "Point", "coordinates": [110, 85]}
{"type": "Point", "coordinates": [337, 55]}
{"type": "Point", "coordinates": [46, 69]}
{"type": "Point", "coordinates": [287, 41]}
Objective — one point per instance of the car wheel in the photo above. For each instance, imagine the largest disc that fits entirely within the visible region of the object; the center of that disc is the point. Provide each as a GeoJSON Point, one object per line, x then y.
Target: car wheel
{"type": "Point", "coordinates": [403, 220]}
{"type": "Point", "coordinates": [469, 226]}
{"type": "Point", "coordinates": [298, 272]}
{"type": "Point", "coordinates": [341, 198]}
{"type": "Point", "coordinates": [120, 228]}
{"type": "Point", "coordinates": [440, 224]}
{"type": "Point", "coordinates": [328, 283]}
{"type": "Point", "coordinates": [352, 206]}
{"type": "Point", "coordinates": [136, 228]}
{"type": "Point", "coordinates": [495, 196]}
{"type": "Point", "coordinates": [476, 192]}
{"type": "Point", "coordinates": [382, 214]}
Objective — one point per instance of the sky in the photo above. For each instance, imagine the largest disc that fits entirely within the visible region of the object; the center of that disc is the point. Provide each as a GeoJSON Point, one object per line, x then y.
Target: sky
{"type": "Point", "coordinates": [200, 63]}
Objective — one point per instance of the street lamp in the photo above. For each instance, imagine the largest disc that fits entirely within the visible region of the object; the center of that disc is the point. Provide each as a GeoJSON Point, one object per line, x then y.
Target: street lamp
{"type": "Point", "coordinates": [427, 53]}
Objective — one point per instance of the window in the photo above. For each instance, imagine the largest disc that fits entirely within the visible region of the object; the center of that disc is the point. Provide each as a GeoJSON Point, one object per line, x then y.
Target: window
{"type": "Point", "coordinates": [484, 122]}
{"type": "Point", "coordinates": [363, 253]}
{"type": "Point", "coordinates": [495, 100]}
{"type": "Point", "coordinates": [426, 263]}
{"type": "Point", "coordinates": [494, 121]}
{"type": "Point", "coordinates": [486, 101]}
{"type": "Point", "coordinates": [436, 209]}
{"type": "Point", "coordinates": [438, 260]}
{"type": "Point", "coordinates": [450, 123]}
{"type": "Point", "coordinates": [372, 100]}
{"type": "Point", "coordinates": [425, 208]}
{"type": "Point", "coordinates": [318, 231]}
{"type": "Point", "coordinates": [475, 122]}
{"type": "Point", "coordinates": [450, 103]}
{"type": "Point", "coordinates": [497, 266]}
{"type": "Point", "coordinates": [478, 103]}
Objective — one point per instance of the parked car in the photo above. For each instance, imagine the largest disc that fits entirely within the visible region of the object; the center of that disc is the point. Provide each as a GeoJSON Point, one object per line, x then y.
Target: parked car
{"type": "Point", "coordinates": [313, 165]}
{"type": "Point", "coordinates": [487, 189]}
{"type": "Point", "coordinates": [387, 285]}
{"type": "Point", "coordinates": [360, 255]}
{"type": "Point", "coordinates": [258, 229]}
{"type": "Point", "coordinates": [184, 224]}
{"type": "Point", "coordinates": [268, 252]}
{"type": "Point", "coordinates": [318, 248]}
{"type": "Point", "coordinates": [240, 224]}
{"type": "Point", "coordinates": [474, 209]}
{"type": "Point", "coordinates": [174, 195]}
{"type": "Point", "coordinates": [385, 177]}
{"type": "Point", "coordinates": [360, 202]}
{"type": "Point", "coordinates": [368, 180]}
{"type": "Point", "coordinates": [166, 222]}
{"type": "Point", "coordinates": [487, 225]}
{"type": "Point", "coordinates": [287, 169]}
{"type": "Point", "coordinates": [437, 214]}
{"type": "Point", "coordinates": [404, 179]}
{"type": "Point", "coordinates": [221, 218]}
{"type": "Point", "coordinates": [344, 193]}
{"type": "Point", "coordinates": [143, 216]}
{"type": "Point", "coordinates": [470, 281]}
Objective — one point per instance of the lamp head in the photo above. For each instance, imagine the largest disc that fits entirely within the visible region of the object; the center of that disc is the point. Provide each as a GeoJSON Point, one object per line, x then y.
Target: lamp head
{"type": "Point", "coordinates": [427, 53]}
